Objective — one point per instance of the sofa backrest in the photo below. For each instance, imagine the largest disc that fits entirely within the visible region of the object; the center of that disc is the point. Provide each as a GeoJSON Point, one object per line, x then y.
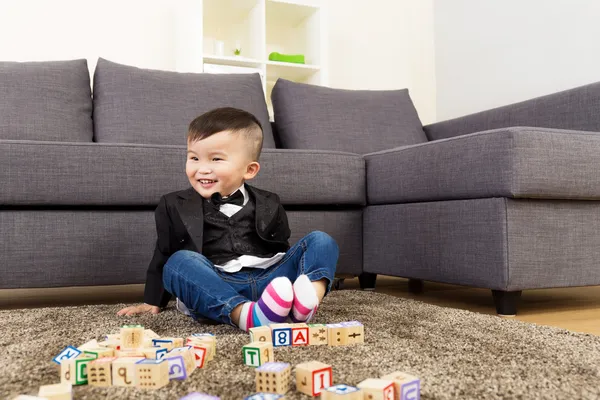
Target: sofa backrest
{"type": "Point", "coordinates": [135, 105]}
{"type": "Point", "coordinates": [573, 109]}
{"type": "Point", "coordinates": [49, 101]}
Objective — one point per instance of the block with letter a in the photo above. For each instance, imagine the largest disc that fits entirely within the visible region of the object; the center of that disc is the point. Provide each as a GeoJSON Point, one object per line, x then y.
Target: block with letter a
{"type": "Point", "coordinates": [300, 334]}
{"type": "Point", "coordinates": [378, 389]}
{"type": "Point", "coordinates": [408, 387]}
{"type": "Point", "coordinates": [312, 377]}
{"type": "Point", "coordinates": [123, 371]}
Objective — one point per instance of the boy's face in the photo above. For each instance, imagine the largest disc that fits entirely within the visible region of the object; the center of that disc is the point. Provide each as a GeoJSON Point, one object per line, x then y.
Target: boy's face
{"type": "Point", "coordinates": [220, 163]}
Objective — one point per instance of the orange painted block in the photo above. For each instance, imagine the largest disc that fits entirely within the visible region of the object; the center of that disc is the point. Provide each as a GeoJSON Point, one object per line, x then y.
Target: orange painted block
{"type": "Point", "coordinates": [300, 334]}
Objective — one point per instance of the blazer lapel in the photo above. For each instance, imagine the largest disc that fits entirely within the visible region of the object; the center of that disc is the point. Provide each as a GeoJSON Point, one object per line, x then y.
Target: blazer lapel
{"type": "Point", "coordinates": [266, 210]}
{"type": "Point", "coordinates": [191, 212]}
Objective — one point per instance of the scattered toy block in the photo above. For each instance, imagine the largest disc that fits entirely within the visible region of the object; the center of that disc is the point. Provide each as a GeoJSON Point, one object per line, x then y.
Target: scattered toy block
{"type": "Point", "coordinates": [177, 369]}
{"type": "Point", "coordinates": [274, 377]}
{"type": "Point", "coordinates": [378, 389]}
{"type": "Point", "coordinates": [66, 354]}
{"type": "Point", "coordinates": [152, 374]}
{"type": "Point", "coordinates": [113, 336]}
{"type": "Point", "coordinates": [200, 353]}
{"type": "Point", "coordinates": [58, 391]}
{"type": "Point", "coordinates": [131, 336]}
{"type": "Point", "coordinates": [207, 344]}
{"type": "Point", "coordinates": [312, 377]}
{"type": "Point", "coordinates": [100, 372]}
{"type": "Point", "coordinates": [154, 353]}
{"type": "Point", "coordinates": [166, 343]}
{"type": "Point", "coordinates": [355, 332]}
{"type": "Point", "coordinates": [260, 334]}
{"type": "Point", "coordinates": [208, 339]}
{"type": "Point", "coordinates": [257, 353]}
{"type": "Point", "coordinates": [199, 396]}
{"type": "Point", "coordinates": [130, 353]}
{"type": "Point", "coordinates": [188, 357]}
{"type": "Point", "coordinates": [149, 333]}
{"type": "Point", "coordinates": [124, 371]}
{"type": "Point", "coordinates": [336, 335]}
{"type": "Point", "coordinates": [99, 352]}
{"type": "Point", "coordinates": [89, 345]}
{"type": "Point", "coordinates": [300, 334]}
{"type": "Point", "coordinates": [265, 396]}
{"type": "Point", "coordinates": [408, 387]}
{"type": "Point", "coordinates": [27, 397]}
{"type": "Point", "coordinates": [343, 392]}
{"type": "Point", "coordinates": [282, 334]}
{"type": "Point", "coordinates": [114, 344]}
{"type": "Point", "coordinates": [317, 334]}
{"type": "Point", "coordinates": [74, 370]}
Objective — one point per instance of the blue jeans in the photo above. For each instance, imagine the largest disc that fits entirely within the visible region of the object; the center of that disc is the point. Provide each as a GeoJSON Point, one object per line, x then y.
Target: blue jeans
{"type": "Point", "coordinates": [210, 292]}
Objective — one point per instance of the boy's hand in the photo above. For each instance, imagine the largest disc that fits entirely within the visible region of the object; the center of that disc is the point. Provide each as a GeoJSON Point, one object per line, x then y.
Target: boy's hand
{"type": "Point", "coordinates": [139, 309]}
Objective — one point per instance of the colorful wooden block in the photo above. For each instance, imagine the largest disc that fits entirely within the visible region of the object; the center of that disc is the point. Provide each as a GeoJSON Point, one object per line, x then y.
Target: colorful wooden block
{"type": "Point", "coordinates": [355, 332]}
{"type": "Point", "coordinates": [281, 334]}
{"type": "Point", "coordinates": [88, 345]}
{"type": "Point", "coordinates": [27, 397]}
{"type": "Point", "coordinates": [408, 387]}
{"type": "Point", "coordinates": [154, 353]}
{"type": "Point", "coordinates": [74, 370]}
{"type": "Point", "coordinates": [199, 396]}
{"type": "Point", "coordinates": [312, 377]}
{"type": "Point", "coordinates": [152, 374]}
{"type": "Point", "coordinates": [66, 354]}
{"type": "Point", "coordinates": [100, 372]}
{"type": "Point", "coordinates": [257, 353]}
{"type": "Point", "coordinates": [378, 389]}
{"type": "Point", "coordinates": [300, 334]}
{"type": "Point", "coordinates": [99, 352]}
{"type": "Point", "coordinates": [130, 353]}
{"type": "Point", "coordinates": [205, 338]}
{"type": "Point", "coordinates": [131, 336]}
{"type": "Point", "coordinates": [164, 342]}
{"type": "Point", "coordinates": [260, 334]}
{"type": "Point", "coordinates": [342, 392]}
{"type": "Point", "coordinates": [336, 334]}
{"type": "Point", "coordinates": [149, 333]}
{"type": "Point", "coordinates": [114, 344]}
{"type": "Point", "coordinates": [200, 353]}
{"type": "Point", "coordinates": [177, 368]}
{"type": "Point", "coordinates": [317, 334]}
{"type": "Point", "coordinates": [265, 396]}
{"type": "Point", "coordinates": [58, 391]}
{"type": "Point", "coordinates": [274, 377]}
{"type": "Point", "coordinates": [188, 357]}
{"type": "Point", "coordinates": [124, 371]}
{"type": "Point", "coordinates": [207, 344]}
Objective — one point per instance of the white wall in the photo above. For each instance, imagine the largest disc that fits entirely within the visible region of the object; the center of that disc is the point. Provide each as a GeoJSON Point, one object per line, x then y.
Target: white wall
{"type": "Point", "coordinates": [492, 53]}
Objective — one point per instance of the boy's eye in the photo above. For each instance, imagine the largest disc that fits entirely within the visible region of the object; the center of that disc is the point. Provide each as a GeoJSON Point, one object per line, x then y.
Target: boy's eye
{"type": "Point", "coordinates": [217, 158]}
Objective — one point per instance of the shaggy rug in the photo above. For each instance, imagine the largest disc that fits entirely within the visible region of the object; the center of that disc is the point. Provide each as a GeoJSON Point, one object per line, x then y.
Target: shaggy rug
{"type": "Point", "coordinates": [457, 354]}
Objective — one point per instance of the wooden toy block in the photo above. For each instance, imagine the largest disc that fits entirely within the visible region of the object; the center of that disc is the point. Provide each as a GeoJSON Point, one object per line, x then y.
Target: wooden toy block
{"type": "Point", "coordinates": [74, 370]}
{"type": "Point", "coordinates": [274, 377]}
{"type": "Point", "coordinates": [378, 389]}
{"type": "Point", "coordinates": [99, 352]}
{"type": "Point", "coordinates": [265, 396]}
{"type": "Point", "coordinates": [123, 371]}
{"type": "Point", "coordinates": [67, 353]}
{"type": "Point", "coordinates": [408, 387]}
{"type": "Point", "coordinates": [355, 332]}
{"type": "Point", "coordinates": [200, 353]}
{"type": "Point", "coordinates": [130, 353]}
{"type": "Point", "coordinates": [199, 396]}
{"type": "Point", "coordinates": [114, 344]}
{"type": "Point", "coordinates": [131, 336]}
{"type": "Point", "coordinates": [260, 334]}
{"type": "Point", "coordinates": [300, 334]}
{"type": "Point", "coordinates": [208, 344]}
{"type": "Point", "coordinates": [337, 335]}
{"type": "Point", "coordinates": [312, 377]}
{"type": "Point", "coordinates": [152, 374]}
{"type": "Point", "coordinates": [154, 353]}
{"type": "Point", "coordinates": [206, 338]}
{"type": "Point", "coordinates": [282, 334]}
{"type": "Point", "coordinates": [89, 345]}
{"type": "Point", "coordinates": [164, 342]}
{"type": "Point", "coordinates": [113, 336]}
{"type": "Point", "coordinates": [149, 333]}
{"type": "Point", "coordinates": [317, 334]}
{"type": "Point", "coordinates": [177, 368]}
{"type": "Point", "coordinates": [58, 391]}
{"type": "Point", "coordinates": [257, 353]}
{"type": "Point", "coordinates": [27, 397]}
{"type": "Point", "coordinates": [100, 372]}
{"type": "Point", "coordinates": [342, 392]}
{"type": "Point", "coordinates": [188, 357]}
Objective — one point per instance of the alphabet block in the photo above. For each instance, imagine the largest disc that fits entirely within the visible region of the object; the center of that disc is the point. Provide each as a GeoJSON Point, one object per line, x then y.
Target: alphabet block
{"type": "Point", "coordinates": [336, 335]}
{"type": "Point", "coordinates": [274, 377]}
{"type": "Point", "coordinates": [123, 371]}
{"type": "Point", "coordinates": [154, 353]}
{"type": "Point", "coordinates": [317, 334]}
{"type": "Point", "coordinates": [378, 389]}
{"type": "Point", "coordinates": [113, 336]}
{"type": "Point", "coordinates": [200, 353]}
{"type": "Point", "coordinates": [300, 334]}
{"type": "Point", "coordinates": [177, 369]}
{"type": "Point", "coordinates": [408, 387]}
{"type": "Point", "coordinates": [265, 396]}
{"type": "Point", "coordinates": [260, 334]}
{"type": "Point", "coordinates": [130, 353]}
{"type": "Point", "coordinates": [152, 374]}
{"type": "Point", "coordinates": [100, 372]}
{"type": "Point", "coordinates": [207, 339]}
{"type": "Point", "coordinates": [355, 332]}
{"type": "Point", "coordinates": [257, 353]}
{"type": "Point", "coordinates": [67, 353]}
{"type": "Point", "coordinates": [88, 345]}
{"type": "Point", "coordinates": [165, 342]}
{"type": "Point", "coordinates": [188, 357]}
{"type": "Point", "coordinates": [199, 396]}
{"type": "Point", "coordinates": [312, 377]}
{"type": "Point", "coordinates": [131, 336]}
{"type": "Point", "coordinates": [343, 392]}
{"type": "Point", "coordinates": [74, 370]}
{"type": "Point", "coordinates": [26, 397]}
{"type": "Point", "coordinates": [282, 334]}
{"type": "Point", "coordinates": [58, 391]}
{"type": "Point", "coordinates": [99, 352]}
{"type": "Point", "coordinates": [111, 343]}
{"type": "Point", "coordinates": [149, 333]}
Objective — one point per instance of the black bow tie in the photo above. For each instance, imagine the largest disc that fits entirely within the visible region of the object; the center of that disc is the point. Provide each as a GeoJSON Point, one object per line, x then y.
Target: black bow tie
{"type": "Point", "coordinates": [237, 198]}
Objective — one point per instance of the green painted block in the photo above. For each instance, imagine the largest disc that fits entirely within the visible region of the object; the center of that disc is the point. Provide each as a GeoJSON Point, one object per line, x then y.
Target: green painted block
{"type": "Point", "coordinates": [251, 356]}
{"type": "Point", "coordinates": [81, 376]}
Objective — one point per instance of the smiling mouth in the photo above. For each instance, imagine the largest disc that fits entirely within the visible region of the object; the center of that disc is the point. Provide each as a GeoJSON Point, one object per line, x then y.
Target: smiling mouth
{"type": "Point", "coordinates": [206, 181]}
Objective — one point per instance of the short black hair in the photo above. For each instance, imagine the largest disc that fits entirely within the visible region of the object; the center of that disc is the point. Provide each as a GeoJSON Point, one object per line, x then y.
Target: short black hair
{"type": "Point", "coordinates": [228, 119]}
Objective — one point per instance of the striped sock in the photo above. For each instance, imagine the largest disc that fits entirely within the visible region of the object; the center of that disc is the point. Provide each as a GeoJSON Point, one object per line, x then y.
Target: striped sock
{"type": "Point", "coordinates": [273, 306]}
{"type": "Point", "coordinates": [305, 300]}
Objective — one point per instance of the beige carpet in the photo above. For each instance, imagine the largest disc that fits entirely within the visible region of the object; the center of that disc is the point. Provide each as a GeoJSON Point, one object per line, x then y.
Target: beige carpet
{"type": "Point", "coordinates": [457, 354]}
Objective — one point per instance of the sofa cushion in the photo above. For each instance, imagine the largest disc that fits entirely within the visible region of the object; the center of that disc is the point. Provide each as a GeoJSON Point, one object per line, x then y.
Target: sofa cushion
{"type": "Point", "coordinates": [135, 105]}
{"type": "Point", "coordinates": [113, 174]}
{"type": "Point", "coordinates": [357, 121]}
{"type": "Point", "coordinates": [516, 162]}
{"type": "Point", "coordinates": [48, 100]}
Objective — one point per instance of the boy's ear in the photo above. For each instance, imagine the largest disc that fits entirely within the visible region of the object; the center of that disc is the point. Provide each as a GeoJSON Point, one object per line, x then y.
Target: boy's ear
{"type": "Point", "coordinates": [251, 170]}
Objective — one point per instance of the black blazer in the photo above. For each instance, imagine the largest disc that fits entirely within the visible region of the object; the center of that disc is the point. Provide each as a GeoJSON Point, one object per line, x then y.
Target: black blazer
{"type": "Point", "coordinates": [179, 220]}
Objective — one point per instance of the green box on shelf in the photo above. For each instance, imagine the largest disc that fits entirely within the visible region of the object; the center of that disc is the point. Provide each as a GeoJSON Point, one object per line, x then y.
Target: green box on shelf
{"type": "Point", "coordinates": [289, 58]}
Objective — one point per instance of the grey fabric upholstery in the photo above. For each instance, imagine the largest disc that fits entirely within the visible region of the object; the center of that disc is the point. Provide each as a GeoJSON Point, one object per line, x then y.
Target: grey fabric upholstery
{"type": "Point", "coordinates": [358, 121]}
{"type": "Point", "coordinates": [573, 109]}
{"type": "Point", "coordinates": [511, 162]}
{"type": "Point", "coordinates": [498, 243]}
{"type": "Point", "coordinates": [48, 100]}
{"type": "Point", "coordinates": [134, 105]}
{"type": "Point", "coordinates": [110, 174]}
{"type": "Point", "coordinates": [114, 247]}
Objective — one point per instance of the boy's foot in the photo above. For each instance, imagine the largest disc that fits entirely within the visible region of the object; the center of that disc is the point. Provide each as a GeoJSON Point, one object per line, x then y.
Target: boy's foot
{"type": "Point", "coordinates": [273, 307]}
{"type": "Point", "coordinates": [305, 300]}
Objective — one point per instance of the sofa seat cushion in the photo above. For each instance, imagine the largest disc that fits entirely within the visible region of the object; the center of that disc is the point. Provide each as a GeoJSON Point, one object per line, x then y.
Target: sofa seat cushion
{"type": "Point", "coordinates": [135, 105]}
{"type": "Point", "coordinates": [358, 121]}
{"type": "Point", "coordinates": [49, 100]}
{"type": "Point", "coordinates": [112, 174]}
{"type": "Point", "coordinates": [519, 162]}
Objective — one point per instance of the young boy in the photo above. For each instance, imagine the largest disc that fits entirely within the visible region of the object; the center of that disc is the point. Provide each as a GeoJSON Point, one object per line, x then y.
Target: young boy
{"type": "Point", "coordinates": [222, 247]}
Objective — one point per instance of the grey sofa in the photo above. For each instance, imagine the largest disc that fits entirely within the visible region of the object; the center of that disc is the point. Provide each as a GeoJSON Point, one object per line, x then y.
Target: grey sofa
{"type": "Point", "coordinates": [507, 208]}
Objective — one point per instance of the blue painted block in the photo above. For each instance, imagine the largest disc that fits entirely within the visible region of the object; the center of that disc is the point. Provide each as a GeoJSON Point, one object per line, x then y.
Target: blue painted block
{"type": "Point", "coordinates": [67, 353]}
{"type": "Point", "coordinates": [282, 337]}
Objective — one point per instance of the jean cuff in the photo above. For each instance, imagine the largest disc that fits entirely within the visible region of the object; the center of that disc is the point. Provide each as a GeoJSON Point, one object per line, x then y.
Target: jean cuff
{"type": "Point", "coordinates": [228, 308]}
{"type": "Point", "coordinates": [321, 274]}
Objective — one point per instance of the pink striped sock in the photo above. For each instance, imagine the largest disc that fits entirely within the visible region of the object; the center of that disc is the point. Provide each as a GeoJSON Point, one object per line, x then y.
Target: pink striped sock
{"type": "Point", "coordinates": [273, 306]}
{"type": "Point", "coordinates": [305, 300]}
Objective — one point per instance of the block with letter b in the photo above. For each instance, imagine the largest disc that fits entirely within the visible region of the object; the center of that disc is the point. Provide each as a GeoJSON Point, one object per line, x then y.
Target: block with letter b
{"type": "Point", "coordinates": [378, 389]}
{"type": "Point", "coordinates": [67, 353]}
{"type": "Point", "coordinates": [152, 374]}
{"type": "Point", "coordinates": [300, 334]}
{"type": "Point", "coordinates": [131, 336]}
{"type": "Point", "coordinates": [341, 392]}
{"type": "Point", "coordinates": [408, 387]}
{"type": "Point", "coordinates": [282, 334]}
{"type": "Point", "coordinates": [74, 370]}
{"type": "Point", "coordinates": [100, 372]}
{"type": "Point", "coordinates": [260, 334]}
{"type": "Point", "coordinates": [312, 377]}
{"type": "Point", "coordinates": [123, 371]}
{"type": "Point", "coordinates": [257, 353]}
{"type": "Point", "coordinates": [274, 377]}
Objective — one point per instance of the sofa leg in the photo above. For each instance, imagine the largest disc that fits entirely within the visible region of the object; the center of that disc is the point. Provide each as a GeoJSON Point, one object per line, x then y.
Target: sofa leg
{"type": "Point", "coordinates": [415, 286]}
{"type": "Point", "coordinates": [367, 281]}
{"type": "Point", "coordinates": [506, 302]}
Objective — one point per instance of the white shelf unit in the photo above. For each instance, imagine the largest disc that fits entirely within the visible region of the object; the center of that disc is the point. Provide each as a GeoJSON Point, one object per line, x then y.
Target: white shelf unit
{"type": "Point", "coordinates": [259, 27]}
